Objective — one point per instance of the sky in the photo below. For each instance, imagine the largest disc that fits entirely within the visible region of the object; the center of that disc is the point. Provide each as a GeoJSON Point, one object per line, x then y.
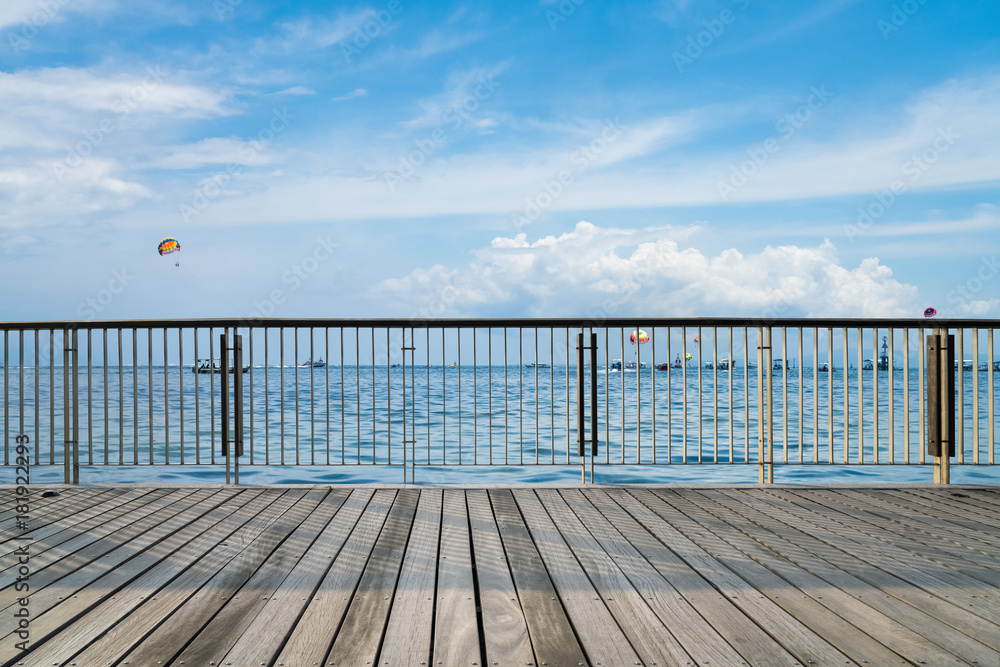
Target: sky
{"type": "Point", "coordinates": [449, 159]}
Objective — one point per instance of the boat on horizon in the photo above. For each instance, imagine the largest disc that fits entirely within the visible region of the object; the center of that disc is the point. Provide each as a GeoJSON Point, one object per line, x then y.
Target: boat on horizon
{"type": "Point", "coordinates": [309, 363]}
{"type": "Point", "coordinates": [210, 366]}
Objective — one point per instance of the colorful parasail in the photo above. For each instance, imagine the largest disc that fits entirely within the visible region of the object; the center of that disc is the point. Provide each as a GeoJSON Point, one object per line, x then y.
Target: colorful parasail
{"type": "Point", "coordinates": [639, 336]}
{"type": "Point", "coordinates": [168, 246]}
{"type": "Point", "coordinates": [688, 356]}
{"type": "Point", "coordinates": [930, 312]}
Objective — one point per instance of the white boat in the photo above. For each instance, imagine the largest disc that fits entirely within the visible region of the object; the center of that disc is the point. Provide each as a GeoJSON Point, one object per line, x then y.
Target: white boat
{"type": "Point", "coordinates": [212, 366]}
{"type": "Point", "coordinates": [536, 365]}
{"type": "Point", "coordinates": [967, 365]}
{"type": "Point", "coordinates": [867, 365]}
{"type": "Point", "coordinates": [777, 364]}
{"type": "Point", "coordinates": [309, 363]}
{"type": "Point", "coordinates": [615, 365]}
{"type": "Point", "coordinates": [631, 365]}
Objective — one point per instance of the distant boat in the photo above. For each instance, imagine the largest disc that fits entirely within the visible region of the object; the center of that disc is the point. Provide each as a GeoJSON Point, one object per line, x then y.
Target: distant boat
{"type": "Point", "coordinates": [615, 365]}
{"type": "Point", "coordinates": [395, 365]}
{"type": "Point", "coordinates": [664, 366]}
{"type": "Point", "coordinates": [824, 367]}
{"type": "Point", "coordinates": [631, 365]}
{"type": "Point", "coordinates": [537, 365]}
{"type": "Point", "coordinates": [966, 365]}
{"type": "Point", "coordinates": [309, 363]}
{"type": "Point", "coordinates": [867, 365]}
{"type": "Point", "coordinates": [211, 366]}
{"type": "Point", "coordinates": [777, 365]}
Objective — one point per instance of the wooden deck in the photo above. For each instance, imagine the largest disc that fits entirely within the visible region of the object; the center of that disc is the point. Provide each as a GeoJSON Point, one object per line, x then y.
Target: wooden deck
{"type": "Point", "coordinates": [607, 576]}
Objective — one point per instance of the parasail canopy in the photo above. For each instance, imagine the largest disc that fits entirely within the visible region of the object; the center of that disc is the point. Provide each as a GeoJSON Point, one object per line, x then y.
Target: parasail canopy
{"type": "Point", "coordinates": [168, 246]}
{"type": "Point", "coordinates": [930, 312]}
{"type": "Point", "coordinates": [639, 336]}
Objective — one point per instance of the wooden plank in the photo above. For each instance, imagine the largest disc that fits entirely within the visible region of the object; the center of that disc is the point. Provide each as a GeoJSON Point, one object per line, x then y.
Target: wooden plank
{"type": "Point", "coordinates": [199, 552]}
{"type": "Point", "coordinates": [357, 641]}
{"type": "Point", "coordinates": [408, 634]}
{"type": "Point", "coordinates": [936, 579]}
{"type": "Point", "coordinates": [980, 504]}
{"type": "Point", "coordinates": [696, 598]}
{"type": "Point", "coordinates": [139, 637]}
{"type": "Point", "coordinates": [49, 571]}
{"type": "Point", "coordinates": [650, 638]}
{"type": "Point", "coordinates": [801, 641]}
{"type": "Point", "coordinates": [42, 505]}
{"type": "Point", "coordinates": [312, 636]}
{"type": "Point", "coordinates": [852, 641]}
{"type": "Point", "coordinates": [117, 550]}
{"type": "Point", "coordinates": [67, 516]}
{"type": "Point", "coordinates": [456, 632]}
{"type": "Point", "coordinates": [771, 550]}
{"type": "Point", "coordinates": [273, 619]}
{"type": "Point", "coordinates": [932, 515]}
{"type": "Point", "coordinates": [541, 612]}
{"type": "Point", "coordinates": [808, 553]}
{"type": "Point", "coordinates": [697, 637]}
{"type": "Point", "coordinates": [603, 641]}
{"type": "Point", "coordinates": [194, 523]}
{"type": "Point", "coordinates": [505, 630]}
{"type": "Point", "coordinates": [827, 545]}
{"type": "Point", "coordinates": [53, 546]}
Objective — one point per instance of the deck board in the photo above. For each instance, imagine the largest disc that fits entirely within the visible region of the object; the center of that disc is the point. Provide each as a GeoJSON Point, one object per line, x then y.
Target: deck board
{"type": "Point", "coordinates": [592, 575]}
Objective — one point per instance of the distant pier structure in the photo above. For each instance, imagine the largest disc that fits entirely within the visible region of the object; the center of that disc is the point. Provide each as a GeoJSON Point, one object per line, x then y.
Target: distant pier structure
{"type": "Point", "coordinates": [883, 359]}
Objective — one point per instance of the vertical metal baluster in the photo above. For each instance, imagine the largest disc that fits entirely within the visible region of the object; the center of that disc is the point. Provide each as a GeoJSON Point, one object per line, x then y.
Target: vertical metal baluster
{"type": "Point", "coordinates": [875, 393]}
{"type": "Point", "coordinates": [211, 389]}
{"type": "Point", "coordinates": [567, 397]}
{"type": "Point", "coordinates": [252, 387]}
{"type": "Point", "coordinates": [621, 351]}
{"type": "Point", "coordinates": [149, 381]}
{"type": "Point", "coordinates": [35, 375]}
{"type": "Point", "coordinates": [121, 404]}
{"type": "Point", "coordinates": [166, 401]}
{"type": "Point", "coordinates": [489, 354]}
{"type": "Point", "coordinates": [892, 400]}
{"type": "Point", "coordinates": [729, 372]}
{"type": "Point", "coordinates": [684, 393]}
{"type": "Point", "coordinates": [829, 392]}
{"type": "Point", "coordinates": [552, 391]}
{"type": "Point", "coordinates": [458, 336]}
{"type": "Point", "coordinates": [104, 363]}
{"type": "Point", "coordinates": [847, 395]}
{"type": "Point", "coordinates": [906, 398]}
{"type": "Point", "coordinates": [701, 393]}
{"type": "Point", "coordinates": [6, 398]}
{"type": "Point", "coordinates": [861, 396]}
{"type": "Point", "coordinates": [295, 387]}
{"type": "Point", "coordinates": [135, 396]}
{"type": "Point", "coordinates": [537, 395]}
{"type": "Point", "coordinates": [267, 402]}
{"type": "Point", "coordinates": [444, 401]}
{"type": "Point", "coordinates": [746, 395]}
{"type": "Point", "coordinates": [638, 395]}
{"type": "Point", "coordinates": [715, 393]}
{"type": "Point", "coordinates": [357, 384]}
{"type": "Point", "coordinates": [991, 438]}
{"type": "Point", "coordinates": [281, 394]}
{"type": "Point", "coordinates": [180, 384]}
{"type": "Point", "coordinates": [388, 399]}
{"type": "Point", "coordinates": [343, 407]}
{"type": "Point", "coordinates": [52, 392]}
{"type": "Point", "coordinates": [652, 383]}
{"type": "Point", "coordinates": [975, 396]}
{"type": "Point", "coordinates": [374, 411]}
{"type": "Point", "coordinates": [815, 395]}
{"type": "Point", "coordinates": [761, 450]}
{"type": "Point", "coordinates": [326, 380]}
{"type": "Point", "coordinates": [90, 411]}
{"type": "Point", "coordinates": [312, 398]}
{"type": "Point", "coordinates": [920, 396]}
{"type": "Point", "coordinates": [784, 394]}
{"type": "Point", "coordinates": [475, 401]}
{"type": "Point", "coordinates": [960, 396]}
{"type": "Point", "coordinates": [506, 397]}
{"type": "Point", "coordinates": [802, 414]}
{"type": "Point", "coordinates": [520, 394]}
{"type": "Point", "coordinates": [670, 401]}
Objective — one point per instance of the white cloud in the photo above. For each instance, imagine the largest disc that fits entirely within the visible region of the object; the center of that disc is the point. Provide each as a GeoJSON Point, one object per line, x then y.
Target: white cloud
{"type": "Point", "coordinates": [647, 272]}
{"type": "Point", "coordinates": [357, 92]}
{"type": "Point", "coordinates": [216, 150]}
{"type": "Point", "coordinates": [296, 90]}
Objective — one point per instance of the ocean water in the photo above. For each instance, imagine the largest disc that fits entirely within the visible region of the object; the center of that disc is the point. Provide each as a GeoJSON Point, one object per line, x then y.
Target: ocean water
{"type": "Point", "coordinates": [491, 424]}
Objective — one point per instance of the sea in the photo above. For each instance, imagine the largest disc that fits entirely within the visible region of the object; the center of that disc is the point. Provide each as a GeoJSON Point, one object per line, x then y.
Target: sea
{"type": "Point", "coordinates": [452, 424]}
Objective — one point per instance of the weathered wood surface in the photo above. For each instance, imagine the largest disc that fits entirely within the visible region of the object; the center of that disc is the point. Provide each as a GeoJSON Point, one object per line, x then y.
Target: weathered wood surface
{"type": "Point", "coordinates": [598, 576]}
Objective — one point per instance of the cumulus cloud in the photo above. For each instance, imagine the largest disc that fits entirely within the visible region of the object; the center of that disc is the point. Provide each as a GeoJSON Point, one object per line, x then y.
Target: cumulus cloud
{"type": "Point", "coordinates": [650, 272]}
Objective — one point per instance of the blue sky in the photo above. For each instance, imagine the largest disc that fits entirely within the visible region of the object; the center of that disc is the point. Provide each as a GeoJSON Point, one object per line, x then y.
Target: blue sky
{"type": "Point", "coordinates": [397, 159]}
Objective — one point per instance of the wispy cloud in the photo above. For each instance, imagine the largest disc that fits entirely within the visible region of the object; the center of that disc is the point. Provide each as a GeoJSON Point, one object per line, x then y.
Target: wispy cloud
{"type": "Point", "coordinates": [357, 92]}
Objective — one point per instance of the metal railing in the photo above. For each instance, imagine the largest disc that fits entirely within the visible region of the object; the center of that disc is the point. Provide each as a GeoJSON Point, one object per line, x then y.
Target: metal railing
{"type": "Point", "coordinates": [493, 392]}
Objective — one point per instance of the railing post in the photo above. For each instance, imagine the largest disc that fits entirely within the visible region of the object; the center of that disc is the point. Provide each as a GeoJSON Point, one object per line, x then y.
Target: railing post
{"type": "Point", "coordinates": [71, 417]}
{"type": "Point", "coordinates": [765, 466]}
{"type": "Point", "coordinates": [580, 410]}
{"type": "Point", "coordinates": [224, 398]}
{"type": "Point", "coordinates": [233, 453]}
{"type": "Point", "coordinates": [941, 403]}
